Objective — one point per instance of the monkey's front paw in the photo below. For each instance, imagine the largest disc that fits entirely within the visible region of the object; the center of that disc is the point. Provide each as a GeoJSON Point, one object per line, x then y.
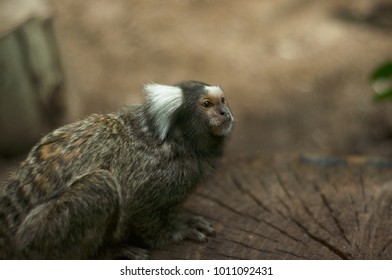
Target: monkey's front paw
{"type": "Point", "coordinates": [196, 228]}
{"type": "Point", "coordinates": [202, 225]}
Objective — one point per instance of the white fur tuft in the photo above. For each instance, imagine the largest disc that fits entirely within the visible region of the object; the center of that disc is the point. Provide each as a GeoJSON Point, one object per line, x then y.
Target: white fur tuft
{"type": "Point", "coordinates": [164, 101]}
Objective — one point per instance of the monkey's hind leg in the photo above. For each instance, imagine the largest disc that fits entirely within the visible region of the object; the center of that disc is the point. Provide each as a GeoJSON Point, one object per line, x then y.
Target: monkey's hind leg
{"type": "Point", "coordinates": [74, 224]}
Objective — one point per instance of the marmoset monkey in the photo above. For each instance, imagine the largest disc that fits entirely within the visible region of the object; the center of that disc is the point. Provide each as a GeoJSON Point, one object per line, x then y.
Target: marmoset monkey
{"type": "Point", "coordinates": [88, 187]}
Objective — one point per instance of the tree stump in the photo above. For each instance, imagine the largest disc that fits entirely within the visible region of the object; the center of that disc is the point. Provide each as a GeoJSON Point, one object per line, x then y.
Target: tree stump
{"type": "Point", "coordinates": [294, 208]}
{"type": "Point", "coordinates": [31, 78]}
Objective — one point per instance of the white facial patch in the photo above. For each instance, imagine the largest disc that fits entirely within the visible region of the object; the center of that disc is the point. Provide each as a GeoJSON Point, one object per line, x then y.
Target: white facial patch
{"type": "Point", "coordinates": [214, 91]}
{"type": "Point", "coordinates": [164, 100]}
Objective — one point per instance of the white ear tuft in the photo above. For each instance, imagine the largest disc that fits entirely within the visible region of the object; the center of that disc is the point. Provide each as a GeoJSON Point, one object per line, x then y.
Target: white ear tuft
{"type": "Point", "coordinates": [164, 101]}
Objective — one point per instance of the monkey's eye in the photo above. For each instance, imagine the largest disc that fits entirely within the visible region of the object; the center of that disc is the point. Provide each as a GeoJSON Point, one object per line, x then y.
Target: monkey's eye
{"type": "Point", "coordinates": [223, 100]}
{"type": "Point", "coordinates": [207, 104]}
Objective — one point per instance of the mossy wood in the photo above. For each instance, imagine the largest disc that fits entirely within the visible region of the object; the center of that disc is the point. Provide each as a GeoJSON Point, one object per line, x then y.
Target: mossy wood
{"type": "Point", "coordinates": [31, 79]}
{"type": "Point", "coordinates": [294, 208]}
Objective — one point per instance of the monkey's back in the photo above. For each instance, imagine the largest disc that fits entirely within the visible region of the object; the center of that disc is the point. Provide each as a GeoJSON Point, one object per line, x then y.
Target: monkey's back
{"type": "Point", "coordinates": [54, 164]}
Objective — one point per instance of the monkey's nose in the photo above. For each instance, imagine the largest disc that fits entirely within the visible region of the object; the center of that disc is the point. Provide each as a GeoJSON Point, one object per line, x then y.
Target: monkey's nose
{"type": "Point", "coordinates": [223, 112]}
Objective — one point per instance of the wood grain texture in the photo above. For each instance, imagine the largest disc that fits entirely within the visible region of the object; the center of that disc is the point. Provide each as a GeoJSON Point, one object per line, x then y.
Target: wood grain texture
{"type": "Point", "coordinates": [294, 207]}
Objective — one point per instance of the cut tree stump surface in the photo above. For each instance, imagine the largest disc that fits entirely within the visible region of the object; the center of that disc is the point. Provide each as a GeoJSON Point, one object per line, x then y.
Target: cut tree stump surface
{"type": "Point", "coordinates": [293, 207]}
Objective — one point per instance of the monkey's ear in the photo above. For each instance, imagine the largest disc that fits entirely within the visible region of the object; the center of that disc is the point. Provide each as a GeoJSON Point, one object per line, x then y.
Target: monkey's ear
{"type": "Point", "coordinates": [163, 101]}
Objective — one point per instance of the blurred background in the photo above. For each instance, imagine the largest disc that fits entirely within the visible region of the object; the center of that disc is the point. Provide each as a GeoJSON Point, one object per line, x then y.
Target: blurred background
{"type": "Point", "coordinates": [295, 72]}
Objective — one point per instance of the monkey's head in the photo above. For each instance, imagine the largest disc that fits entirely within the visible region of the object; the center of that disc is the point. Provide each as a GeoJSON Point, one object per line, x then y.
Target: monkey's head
{"type": "Point", "coordinates": [195, 108]}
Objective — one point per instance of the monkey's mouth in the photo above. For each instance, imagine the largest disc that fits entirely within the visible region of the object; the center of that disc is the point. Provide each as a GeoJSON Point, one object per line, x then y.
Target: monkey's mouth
{"type": "Point", "coordinates": [223, 127]}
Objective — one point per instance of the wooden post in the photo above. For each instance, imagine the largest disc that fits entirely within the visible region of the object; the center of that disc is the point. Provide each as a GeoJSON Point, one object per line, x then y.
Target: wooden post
{"type": "Point", "coordinates": [31, 78]}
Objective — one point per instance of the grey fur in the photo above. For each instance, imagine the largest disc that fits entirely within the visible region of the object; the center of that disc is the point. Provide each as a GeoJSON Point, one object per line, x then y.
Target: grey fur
{"type": "Point", "coordinates": [90, 188]}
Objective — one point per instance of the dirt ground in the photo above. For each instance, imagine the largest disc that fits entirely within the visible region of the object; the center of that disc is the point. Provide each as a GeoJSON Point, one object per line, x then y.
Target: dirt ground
{"type": "Point", "coordinates": [294, 71]}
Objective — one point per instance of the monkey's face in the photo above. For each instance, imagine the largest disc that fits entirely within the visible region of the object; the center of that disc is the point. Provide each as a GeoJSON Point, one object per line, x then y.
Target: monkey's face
{"type": "Point", "coordinates": [172, 108]}
{"type": "Point", "coordinates": [216, 109]}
